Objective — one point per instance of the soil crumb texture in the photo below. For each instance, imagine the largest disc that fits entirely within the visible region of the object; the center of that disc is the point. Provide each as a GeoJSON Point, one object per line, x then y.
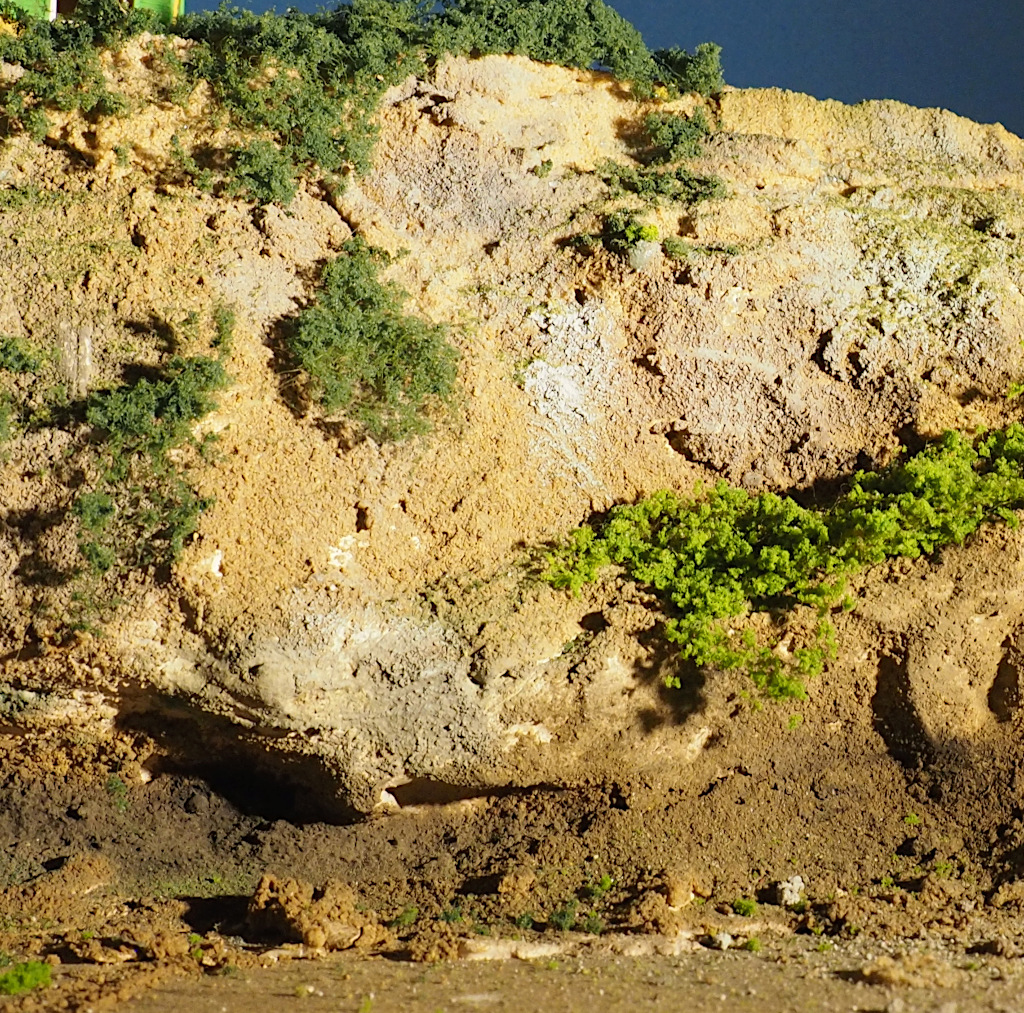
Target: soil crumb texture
{"type": "Point", "coordinates": [293, 711]}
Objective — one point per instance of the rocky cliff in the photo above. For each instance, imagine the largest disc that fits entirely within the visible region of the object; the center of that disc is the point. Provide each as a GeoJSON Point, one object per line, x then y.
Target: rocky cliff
{"type": "Point", "coordinates": [369, 617]}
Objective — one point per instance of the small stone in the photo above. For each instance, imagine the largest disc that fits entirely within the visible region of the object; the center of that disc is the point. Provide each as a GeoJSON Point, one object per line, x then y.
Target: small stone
{"type": "Point", "coordinates": [197, 803]}
{"type": "Point", "coordinates": [896, 1005]}
{"type": "Point", "coordinates": [721, 941]}
{"type": "Point", "coordinates": [790, 893]}
{"type": "Point", "coordinates": [644, 255]}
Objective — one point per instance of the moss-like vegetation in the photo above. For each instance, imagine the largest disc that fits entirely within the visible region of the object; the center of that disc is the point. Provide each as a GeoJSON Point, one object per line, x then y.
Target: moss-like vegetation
{"type": "Point", "coordinates": [18, 356]}
{"type": "Point", "coordinates": [25, 977]}
{"type": "Point", "coordinates": [61, 62]}
{"type": "Point", "coordinates": [367, 358]}
{"type": "Point", "coordinates": [716, 558]}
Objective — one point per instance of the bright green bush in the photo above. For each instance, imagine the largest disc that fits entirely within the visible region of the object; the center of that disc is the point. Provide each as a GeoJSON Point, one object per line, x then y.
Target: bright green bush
{"type": "Point", "coordinates": [24, 977]}
{"type": "Point", "coordinates": [622, 231]}
{"type": "Point", "coordinates": [364, 356]}
{"type": "Point", "coordinates": [716, 557]}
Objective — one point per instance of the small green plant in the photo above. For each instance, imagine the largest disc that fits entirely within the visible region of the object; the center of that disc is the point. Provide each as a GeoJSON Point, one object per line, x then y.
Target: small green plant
{"type": "Point", "coordinates": [525, 920]}
{"type": "Point", "coordinates": [17, 356]}
{"type": "Point", "coordinates": [887, 882]}
{"type": "Point", "coordinates": [141, 509]}
{"type": "Point", "coordinates": [593, 924]}
{"type": "Point", "coordinates": [601, 887]}
{"type": "Point", "coordinates": [407, 917]}
{"type": "Point", "coordinates": [622, 231]}
{"type": "Point", "coordinates": [25, 977]}
{"type": "Point", "coordinates": [544, 169]}
{"type": "Point", "coordinates": [264, 173]}
{"type": "Point", "coordinates": [202, 178]}
{"type": "Point", "coordinates": [912, 820]}
{"type": "Point", "coordinates": [565, 917]}
{"type": "Point", "coordinates": [680, 250]}
{"type": "Point", "coordinates": [674, 137]}
{"type": "Point", "coordinates": [365, 357]}
{"type": "Point", "coordinates": [795, 721]}
{"type": "Point", "coordinates": [118, 792]}
{"type": "Point", "coordinates": [824, 946]}
{"type": "Point", "coordinates": [943, 869]}
{"type": "Point", "coordinates": [745, 907]}
{"type": "Point", "coordinates": [700, 71]}
{"type": "Point", "coordinates": [451, 914]}
{"type": "Point", "coordinates": [651, 184]}
{"type": "Point", "coordinates": [753, 945]}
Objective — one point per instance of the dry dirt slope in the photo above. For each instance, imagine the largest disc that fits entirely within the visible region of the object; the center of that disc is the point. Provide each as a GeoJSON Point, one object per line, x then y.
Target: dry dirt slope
{"type": "Point", "coordinates": [363, 620]}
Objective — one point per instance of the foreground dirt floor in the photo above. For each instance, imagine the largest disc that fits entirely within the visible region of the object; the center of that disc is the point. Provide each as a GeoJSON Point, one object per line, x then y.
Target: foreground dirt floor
{"type": "Point", "coordinates": [347, 751]}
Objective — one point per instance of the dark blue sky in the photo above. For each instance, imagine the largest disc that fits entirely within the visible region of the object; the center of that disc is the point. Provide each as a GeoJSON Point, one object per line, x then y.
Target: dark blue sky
{"type": "Point", "coordinates": [967, 56]}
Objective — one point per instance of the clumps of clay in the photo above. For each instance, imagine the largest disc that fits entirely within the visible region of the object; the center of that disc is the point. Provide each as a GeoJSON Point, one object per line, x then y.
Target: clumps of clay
{"type": "Point", "coordinates": [293, 911]}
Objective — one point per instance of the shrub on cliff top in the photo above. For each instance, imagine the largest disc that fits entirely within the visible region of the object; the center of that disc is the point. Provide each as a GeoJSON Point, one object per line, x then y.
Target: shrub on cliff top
{"type": "Point", "coordinates": [305, 86]}
{"type": "Point", "coordinates": [572, 33]}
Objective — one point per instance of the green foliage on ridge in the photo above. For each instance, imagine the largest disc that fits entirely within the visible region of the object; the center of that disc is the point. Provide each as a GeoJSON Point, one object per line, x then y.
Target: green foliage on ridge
{"type": "Point", "coordinates": [306, 86]}
{"type": "Point", "coordinates": [572, 33]}
{"type": "Point", "coordinates": [718, 557]}
{"type": "Point", "coordinates": [366, 357]}
{"type": "Point", "coordinates": [61, 62]}
{"type": "Point", "coordinates": [675, 137]}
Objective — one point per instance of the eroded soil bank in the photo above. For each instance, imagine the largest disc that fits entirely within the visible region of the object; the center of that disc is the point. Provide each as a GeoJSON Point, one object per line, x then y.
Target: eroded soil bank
{"type": "Point", "coordinates": [351, 717]}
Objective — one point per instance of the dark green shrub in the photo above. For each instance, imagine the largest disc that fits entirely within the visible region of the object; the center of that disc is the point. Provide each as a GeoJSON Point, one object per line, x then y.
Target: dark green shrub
{"type": "Point", "coordinates": [564, 918]}
{"type": "Point", "coordinates": [676, 137]}
{"type": "Point", "coordinates": [264, 173]}
{"type": "Point", "coordinates": [364, 356]}
{"type": "Point", "coordinates": [60, 58]}
{"type": "Point", "coordinates": [18, 356]}
{"type": "Point", "coordinates": [143, 509]}
{"type": "Point", "coordinates": [308, 83]}
{"type": "Point", "coordinates": [719, 556]}
{"type": "Point", "coordinates": [572, 33]}
{"type": "Point", "coordinates": [152, 416]}
{"type": "Point", "coordinates": [700, 72]}
{"type": "Point", "coordinates": [677, 184]}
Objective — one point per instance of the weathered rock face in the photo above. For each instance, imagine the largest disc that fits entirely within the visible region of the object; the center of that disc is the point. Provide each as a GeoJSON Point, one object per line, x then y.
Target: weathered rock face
{"type": "Point", "coordinates": [373, 608]}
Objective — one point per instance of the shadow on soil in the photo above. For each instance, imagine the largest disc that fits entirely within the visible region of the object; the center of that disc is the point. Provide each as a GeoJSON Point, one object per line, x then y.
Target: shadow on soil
{"type": "Point", "coordinates": [235, 764]}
